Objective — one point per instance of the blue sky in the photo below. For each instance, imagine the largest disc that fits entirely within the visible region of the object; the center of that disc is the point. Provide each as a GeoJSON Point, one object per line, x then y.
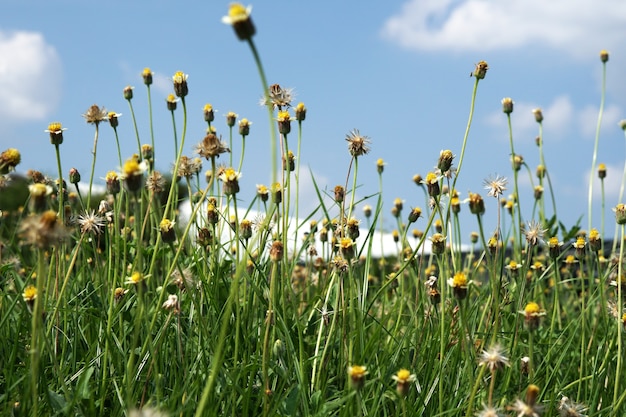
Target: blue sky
{"type": "Point", "coordinates": [396, 70]}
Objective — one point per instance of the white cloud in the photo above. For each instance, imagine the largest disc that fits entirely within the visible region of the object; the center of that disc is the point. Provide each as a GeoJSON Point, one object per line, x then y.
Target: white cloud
{"type": "Point", "coordinates": [579, 27]}
{"type": "Point", "coordinates": [30, 77]}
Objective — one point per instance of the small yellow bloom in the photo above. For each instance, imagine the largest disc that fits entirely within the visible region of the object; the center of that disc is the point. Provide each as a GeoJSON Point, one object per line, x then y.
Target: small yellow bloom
{"type": "Point", "coordinates": [403, 379]}
{"type": "Point", "coordinates": [357, 375]}
{"type": "Point", "coordinates": [135, 279]}
{"type": "Point", "coordinates": [30, 293]}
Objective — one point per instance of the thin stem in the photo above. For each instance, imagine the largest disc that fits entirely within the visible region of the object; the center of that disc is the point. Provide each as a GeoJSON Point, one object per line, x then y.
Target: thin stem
{"type": "Point", "coordinates": [595, 145]}
{"type": "Point", "coordinates": [93, 163]}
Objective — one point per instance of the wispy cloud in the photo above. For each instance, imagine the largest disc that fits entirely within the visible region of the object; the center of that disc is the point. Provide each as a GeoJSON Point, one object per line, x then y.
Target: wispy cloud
{"type": "Point", "coordinates": [30, 77]}
{"type": "Point", "coordinates": [579, 27]}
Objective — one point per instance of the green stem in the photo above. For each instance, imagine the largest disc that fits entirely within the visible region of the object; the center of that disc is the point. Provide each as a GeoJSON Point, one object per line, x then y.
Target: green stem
{"type": "Point", "coordinates": [595, 145]}
{"type": "Point", "coordinates": [93, 164]}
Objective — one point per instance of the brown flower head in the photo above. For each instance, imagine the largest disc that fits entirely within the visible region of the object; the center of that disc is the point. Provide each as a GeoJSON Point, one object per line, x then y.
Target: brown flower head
{"type": "Point", "coordinates": [95, 115]}
{"type": "Point", "coordinates": [357, 144]}
{"type": "Point", "coordinates": [211, 146]}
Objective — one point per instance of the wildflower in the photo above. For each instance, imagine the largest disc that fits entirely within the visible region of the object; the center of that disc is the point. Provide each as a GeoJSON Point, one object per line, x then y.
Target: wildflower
{"type": "Point", "coordinates": [622, 124]}
{"type": "Point", "coordinates": [346, 247]}
{"type": "Point", "coordinates": [481, 70]}
{"type": "Point", "coordinates": [579, 246]}
{"type": "Point", "coordinates": [438, 226]}
{"type": "Point", "coordinates": [568, 408]}
{"type": "Point", "coordinates": [438, 243]}
{"type": "Point", "coordinates": [90, 222]}
{"type": "Point", "coordinates": [489, 411]}
{"type": "Point", "coordinates": [494, 358]}
{"type": "Point", "coordinates": [209, 114]}
{"type": "Point", "coordinates": [445, 160]}
{"type": "Point", "coordinates": [135, 279]}
{"type": "Point", "coordinates": [340, 264]}
{"type": "Point", "coordinates": [180, 83]}
{"type": "Point", "coordinates": [112, 182]}
{"type": "Point", "coordinates": [604, 56]}
{"type": "Point", "coordinates": [168, 234]}
{"type": "Point", "coordinates": [278, 97]}
{"type": "Point", "coordinates": [155, 183]}
{"type": "Point", "coordinates": [507, 105]}
{"type": "Point", "coordinates": [380, 165]}
{"type": "Point", "coordinates": [455, 205]}
{"type": "Point", "coordinates": [418, 180]}
{"type": "Point", "coordinates": [415, 214]}
{"type": "Point", "coordinates": [396, 235]}
{"type": "Point", "coordinates": [300, 112]}
{"type": "Point", "coordinates": [352, 228]}
{"type": "Point", "coordinates": [601, 171]}
{"type": "Point", "coordinates": [533, 232]}
{"type": "Point", "coordinates": [146, 74]}
{"type": "Point", "coordinates": [620, 213]}
{"type": "Point", "coordinates": [538, 192]}
{"type": "Point", "coordinates": [44, 230]}
{"type": "Point", "coordinates": [541, 171]}
{"type": "Point", "coordinates": [38, 196]}
{"type": "Point", "coordinates": [524, 365]}
{"type": "Point", "coordinates": [528, 408]}
{"type": "Point", "coordinates": [496, 186]}
{"type": "Point", "coordinates": [459, 284]}
{"type": "Point", "coordinates": [185, 280]}
{"type": "Point", "coordinates": [289, 163]}
{"type": "Point", "coordinates": [403, 379]}
{"type": "Point", "coordinates": [367, 211]}
{"type": "Point", "coordinates": [9, 159]}
{"type": "Point", "coordinates": [518, 161]}
{"type": "Point", "coordinates": [554, 246]}
{"type": "Point", "coordinates": [244, 127]}
{"type": "Point", "coordinates": [532, 313]}
{"type": "Point", "coordinates": [231, 118]}
{"type": "Point", "coordinates": [133, 174]}
{"type": "Point", "coordinates": [357, 144]}
{"type": "Point", "coordinates": [56, 133]}
{"type": "Point", "coordinates": [432, 184]}
{"type": "Point", "coordinates": [262, 192]}
{"type": "Point", "coordinates": [119, 293]}
{"type": "Point", "coordinates": [171, 102]}
{"type": "Point", "coordinates": [239, 18]}
{"type": "Point", "coordinates": [276, 251]}
{"type": "Point", "coordinates": [595, 241]}
{"type": "Point", "coordinates": [277, 193]}
{"type": "Point", "coordinates": [147, 152]}
{"type": "Point", "coordinates": [245, 229]}
{"type": "Point", "coordinates": [95, 115]}
{"type": "Point", "coordinates": [538, 115]}
{"type": "Point", "coordinates": [128, 92]}
{"type": "Point", "coordinates": [172, 304]}
{"type": "Point", "coordinates": [357, 375]}
{"type": "Point", "coordinates": [476, 204]}
{"type": "Point", "coordinates": [211, 146]}
{"type": "Point", "coordinates": [29, 295]}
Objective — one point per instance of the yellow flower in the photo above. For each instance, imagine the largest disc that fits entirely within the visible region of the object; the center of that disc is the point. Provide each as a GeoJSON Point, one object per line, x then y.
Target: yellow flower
{"type": "Point", "coordinates": [403, 379]}
{"type": "Point", "coordinates": [30, 293]}
{"type": "Point", "coordinates": [9, 159]}
{"type": "Point", "coordinates": [56, 133]}
{"type": "Point", "coordinates": [532, 313]}
{"type": "Point", "coordinates": [180, 84]}
{"type": "Point", "coordinates": [135, 279]}
{"type": "Point", "coordinates": [239, 18]}
{"type": "Point", "coordinates": [357, 375]}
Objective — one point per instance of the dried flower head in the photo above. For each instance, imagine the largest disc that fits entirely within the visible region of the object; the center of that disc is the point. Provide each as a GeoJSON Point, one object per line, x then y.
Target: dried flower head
{"type": "Point", "coordinates": [155, 183]}
{"type": "Point", "coordinates": [278, 97]}
{"type": "Point", "coordinates": [534, 232]}
{"type": "Point", "coordinates": [481, 70]}
{"type": "Point", "coordinates": [90, 222]}
{"type": "Point", "coordinates": [494, 358]}
{"type": "Point", "coordinates": [95, 115]}
{"type": "Point", "coordinates": [620, 213]}
{"type": "Point", "coordinates": [357, 143]}
{"type": "Point", "coordinates": [211, 146]}
{"type": "Point", "coordinates": [43, 231]}
{"type": "Point", "coordinates": [495, 185]}
{"type": "Point", "coordinates": [172, 304]}
{"type": "Point", "coordinates": [568, 408]}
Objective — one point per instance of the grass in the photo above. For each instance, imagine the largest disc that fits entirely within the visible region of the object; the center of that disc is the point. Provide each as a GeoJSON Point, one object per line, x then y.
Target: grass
{"type": "Point", "coordinates": [111, 305]}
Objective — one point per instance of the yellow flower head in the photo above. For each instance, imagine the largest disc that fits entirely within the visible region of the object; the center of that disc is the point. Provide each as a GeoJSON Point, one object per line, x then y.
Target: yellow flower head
{"type": "Point", "coordinates": [135, 278]}
{"type": "Point", "coordinates": [404, 376]}
{"type": "Point", "coordinates": [532, 309]}
{"type": "Point", "coordinates": [131, 168]}
{"type": "Point", "coordinates": [459, 280]}
{"type": "Point", "coordinates": [237, 12]}
{"type": "Point", "coordinates": [357, 375]}
{"type": "Point", "coordinates": [30, 293]}
{"type": "Point", "coordinates": [9, 159]}
{"type": "Point", "coordinates": [166, 225]}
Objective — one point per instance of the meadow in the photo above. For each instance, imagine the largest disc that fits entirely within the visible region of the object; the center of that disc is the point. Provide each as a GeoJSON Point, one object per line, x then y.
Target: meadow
{"type": "Point", "coordinates": [113, 304]}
